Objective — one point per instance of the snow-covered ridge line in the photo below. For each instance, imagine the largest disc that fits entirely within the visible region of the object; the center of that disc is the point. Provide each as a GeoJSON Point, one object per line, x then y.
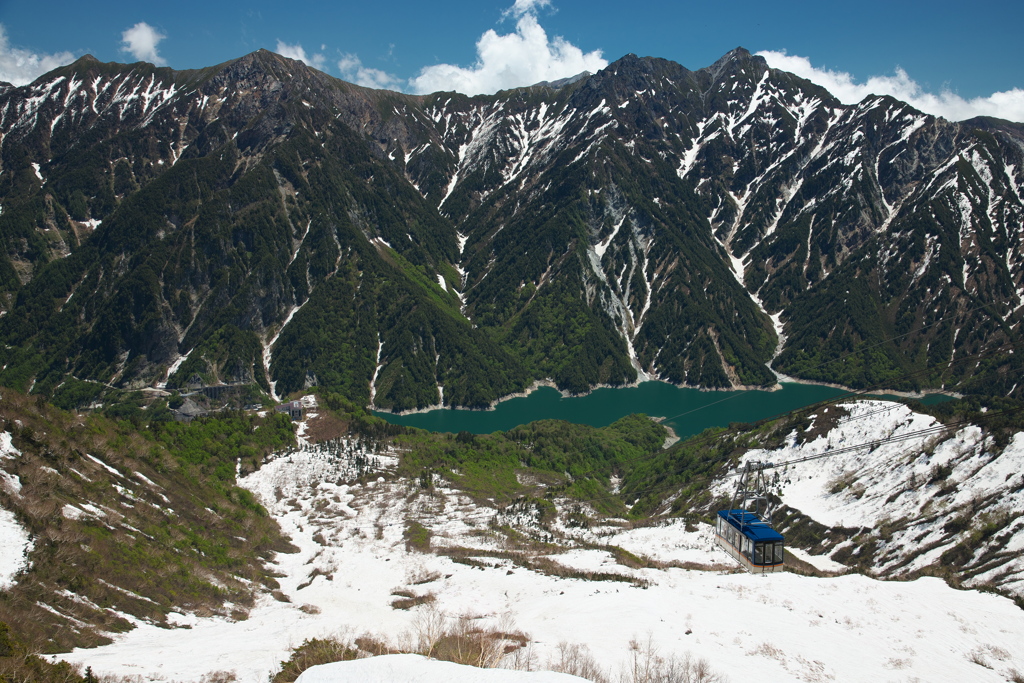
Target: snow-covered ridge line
{"type": "Point", "coordinates": [62, 103]}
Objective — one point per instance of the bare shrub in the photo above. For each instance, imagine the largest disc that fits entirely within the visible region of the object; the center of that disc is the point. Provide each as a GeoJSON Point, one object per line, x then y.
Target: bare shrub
{"type": "Point", "coordinates": [25, 667]}
{"type": "Point", "coordinates": [997, 652]}
{"type": "Point", "coordinates": [219, 677]}
{"type": "Point", "coordinates": [643, 660]}
{"type": "Point", "coordinates": [769, 650]}
{"type": "Point", "coordinates": [420, 576]}
{"type": "Point", "coordinates": [978, 657]}
{"type": "Point", "coordinates": [897, 663]}
{"type": "Point", "coordinates": [474, 642]}
{"type": "Point", "coordinates": [464, 643]}
{"type": "Point", "coordinates": [427, 628]}
{"type": "Point", "coordinates": [699, 671]}
{"type": "Point", "coordinates": [645, 665]}
{"type": "Point", "coordinates": [981, 654]}
{"type": "Point", "coordinates": [375, 647]}
{"type": "Point", "coordinates": [521, 659]}
{"type": "Point", "coordinates": [317, 571]}
{"type": "Point", "coordinates": [842, 482]}
{"type": "Point", "coordinates": [576, 659]}
{"type": "Point", "coordinates": [407, 599]}
{"type": "Point", "coordinates": [463, 639]}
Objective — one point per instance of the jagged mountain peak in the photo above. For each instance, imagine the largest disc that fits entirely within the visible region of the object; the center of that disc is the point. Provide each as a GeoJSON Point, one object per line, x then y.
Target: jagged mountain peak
{"type": "Point", "coordinates": [737, 53]}
{"type": "Point", "coordinates": [267, 59]}
{"type": "Point", "coordinates": [631, 64]}
{"type": "Point", "coordinates": [737, 58]}
{"type": "Point", "coordinates": [86, 61]}
{"type": "Point", "coordinates": [630, 75]}
{"type": "Point", "coordinates": [267, 66]}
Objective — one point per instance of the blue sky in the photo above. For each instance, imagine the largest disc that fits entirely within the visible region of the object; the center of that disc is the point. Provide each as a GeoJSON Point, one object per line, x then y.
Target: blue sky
{"type": "Point", "coordinates": [967, 51]}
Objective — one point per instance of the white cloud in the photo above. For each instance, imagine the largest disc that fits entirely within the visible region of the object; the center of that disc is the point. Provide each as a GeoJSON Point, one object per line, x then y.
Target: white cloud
{"type": "Point", "coordinates": [317, 61]}
{"type": "Point", "coordinates": [19, 67]}
{"type": "Point", "coordinates": [141, 41]}
{"type": "Point", "coordinates": [522, 7]}
{"type": "Point", "coordinates": [1007, 104]}
{"type": "Point", "coordinates": [352, 70]}
{"type": "Point", "coordinates": [517, 59]}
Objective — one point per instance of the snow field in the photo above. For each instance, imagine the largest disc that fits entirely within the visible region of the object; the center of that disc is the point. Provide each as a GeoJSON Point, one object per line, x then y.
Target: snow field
{"type": "Point", "coordinates": [352, 556]}
{"type": "Point", "coordinates": [421, 670]}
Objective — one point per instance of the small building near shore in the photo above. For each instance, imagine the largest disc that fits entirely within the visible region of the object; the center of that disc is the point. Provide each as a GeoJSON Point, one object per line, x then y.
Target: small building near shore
{"type": "Point", "coordinates": [292, 408]}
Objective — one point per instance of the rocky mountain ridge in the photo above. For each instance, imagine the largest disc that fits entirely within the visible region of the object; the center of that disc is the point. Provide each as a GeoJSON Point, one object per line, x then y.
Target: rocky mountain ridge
{"type": "Point", "coordinates": [260, 221]}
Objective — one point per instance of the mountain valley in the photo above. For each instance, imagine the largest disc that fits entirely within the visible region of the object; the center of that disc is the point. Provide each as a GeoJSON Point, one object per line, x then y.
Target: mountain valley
{"type": "Point", "coordinates": [185, 250]}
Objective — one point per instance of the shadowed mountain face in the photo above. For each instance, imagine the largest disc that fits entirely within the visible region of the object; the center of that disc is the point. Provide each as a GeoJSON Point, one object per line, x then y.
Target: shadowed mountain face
{"type": "Point", "coordinates": [260, 221]}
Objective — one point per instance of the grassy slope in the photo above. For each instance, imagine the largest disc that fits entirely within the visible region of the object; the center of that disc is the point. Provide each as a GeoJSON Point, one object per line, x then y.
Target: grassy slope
{"type": "Point", "coordinates": [167, 529]}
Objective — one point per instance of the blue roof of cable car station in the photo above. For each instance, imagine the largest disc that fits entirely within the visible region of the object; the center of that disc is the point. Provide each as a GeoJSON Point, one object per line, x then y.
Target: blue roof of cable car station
{"type": "Point", "coordinates": [753, 527]}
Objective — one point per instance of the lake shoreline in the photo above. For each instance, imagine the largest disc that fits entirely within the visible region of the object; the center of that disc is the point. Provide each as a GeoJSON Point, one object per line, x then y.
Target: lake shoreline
{"type": "Point", "coordinates": [686, 410]}
{"type": "Point", "coordinates": [672, 438]}
{"type": "Point", "coordinates": [782, 379]}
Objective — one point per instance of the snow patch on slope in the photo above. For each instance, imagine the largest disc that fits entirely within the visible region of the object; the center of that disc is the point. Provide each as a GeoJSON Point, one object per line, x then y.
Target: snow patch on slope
{"type": "Point", "coordinates": [15, 541]}
{"type": "Point", "coordinates": [15, 545]}
{"type": "Point", "coordinates": [934, 491]}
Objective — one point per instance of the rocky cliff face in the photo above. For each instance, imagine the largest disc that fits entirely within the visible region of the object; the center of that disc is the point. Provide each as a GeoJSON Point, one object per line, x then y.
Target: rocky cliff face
{"type": "Point", "coordinates": [260, 221]}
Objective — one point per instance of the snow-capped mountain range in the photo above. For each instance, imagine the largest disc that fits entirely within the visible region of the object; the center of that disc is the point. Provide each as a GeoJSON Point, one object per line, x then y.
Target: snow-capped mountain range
{"type": "Point", "coordinates": [261, 221]}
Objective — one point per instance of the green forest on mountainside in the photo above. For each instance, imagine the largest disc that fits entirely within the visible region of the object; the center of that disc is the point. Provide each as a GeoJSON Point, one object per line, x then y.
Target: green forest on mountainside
{"type": "Point", "coordinates": [129, 238]}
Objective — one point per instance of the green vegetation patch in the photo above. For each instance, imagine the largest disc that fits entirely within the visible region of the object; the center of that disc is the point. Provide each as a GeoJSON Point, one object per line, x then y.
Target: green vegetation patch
{"type": "Point", "coordinates": [133, 519]}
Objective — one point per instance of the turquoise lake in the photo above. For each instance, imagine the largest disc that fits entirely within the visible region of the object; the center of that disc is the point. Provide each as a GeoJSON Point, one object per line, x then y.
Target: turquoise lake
{"type": "Point", "coordinates": [688, 411]}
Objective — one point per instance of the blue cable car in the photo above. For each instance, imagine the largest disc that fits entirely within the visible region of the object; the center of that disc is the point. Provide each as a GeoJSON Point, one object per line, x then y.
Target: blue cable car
{"type": "Point", "coordinates": [750, 540]}
{"type": "Point", "coordinates": [745, 531]}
